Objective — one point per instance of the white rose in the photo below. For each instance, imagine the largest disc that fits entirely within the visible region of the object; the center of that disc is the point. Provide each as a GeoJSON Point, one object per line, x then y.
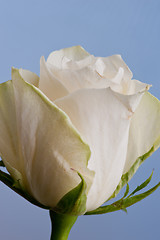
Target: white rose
{"type": "Point", "coordinates": [83, 119]}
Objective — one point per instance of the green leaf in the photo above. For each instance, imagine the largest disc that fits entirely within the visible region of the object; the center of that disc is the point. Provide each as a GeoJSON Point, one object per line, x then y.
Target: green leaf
{"type": "Point", "coordinates": [123, 203]}
{"type": "Point", "coordinates": [74, 202]}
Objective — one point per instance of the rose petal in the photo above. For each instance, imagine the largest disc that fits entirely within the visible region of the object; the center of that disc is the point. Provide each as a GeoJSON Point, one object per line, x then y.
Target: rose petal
{"type": "Point", "coordinates": [144, 130]}
{"type": "Point", "coordinates": [29, 77]}
{"type": "Point", "coordinates": [60, 57]}
{"type": "Point", "coordinates": [75, 80]}
{"type": "Point", "coordinates": [39, 141]}
{"type": "Point", "coordinates": [49, 84]}
{"type": "Point", "coordinates": [103, 121]}
{"type": "Point", "coordinates": [111, 66]}
{"type": "Point", "coordinates": [135, 86]}
{"type": "Point", "coordinates": [86, 77]}
{"type": "Point", "coordinates": [8, 129]}
{"type": "Point", "coordinates": [76, 69]}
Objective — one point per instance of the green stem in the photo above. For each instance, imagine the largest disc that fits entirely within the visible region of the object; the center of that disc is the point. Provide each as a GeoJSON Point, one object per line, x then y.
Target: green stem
{"type": "Point", "coordinates": [61, 225]}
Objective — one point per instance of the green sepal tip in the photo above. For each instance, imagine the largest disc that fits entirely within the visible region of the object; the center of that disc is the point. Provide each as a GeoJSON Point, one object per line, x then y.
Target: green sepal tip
{"type": "Point", "coordinates": [74, 202]}
{"type": "Point", "coordinates": [126, 201]}
{"type": "Point", "coordinates": [128, 175]}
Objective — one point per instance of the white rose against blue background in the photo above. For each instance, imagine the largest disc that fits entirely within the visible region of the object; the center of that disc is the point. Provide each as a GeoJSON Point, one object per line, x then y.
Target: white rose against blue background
{"type": "Point", "coordinates": [31, 29]}
{"type": "Point", "coordinates": [84, 120]}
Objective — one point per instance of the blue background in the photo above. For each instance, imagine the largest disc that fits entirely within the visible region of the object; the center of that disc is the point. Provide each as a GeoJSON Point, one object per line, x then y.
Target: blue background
{"type": "Point", "coordinates": [30, 29]}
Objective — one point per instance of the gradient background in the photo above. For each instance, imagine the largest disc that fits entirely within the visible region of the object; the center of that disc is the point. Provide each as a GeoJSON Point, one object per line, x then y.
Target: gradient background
{"type": "Point", "coordinates": [30, 29]}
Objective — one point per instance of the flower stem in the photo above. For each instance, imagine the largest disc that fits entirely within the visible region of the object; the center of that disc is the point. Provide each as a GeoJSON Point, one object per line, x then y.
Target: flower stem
{"type": "Point", "coordinates": [61, 225]}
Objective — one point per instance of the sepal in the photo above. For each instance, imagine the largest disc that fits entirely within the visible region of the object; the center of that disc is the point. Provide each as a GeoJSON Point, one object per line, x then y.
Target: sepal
{"type": "Point", "coordinates": [128, 175]}
{"type": "Point", "coordinates": [143, 185]}
{"type": "Point", "coordinates": [126, 201]}
{"type": "Point", "coordinates": [74, 202]}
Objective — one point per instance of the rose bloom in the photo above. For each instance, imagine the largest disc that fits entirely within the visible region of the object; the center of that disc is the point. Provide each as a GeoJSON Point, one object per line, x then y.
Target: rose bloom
{"type": "Point", "coordinates": [84, 118]}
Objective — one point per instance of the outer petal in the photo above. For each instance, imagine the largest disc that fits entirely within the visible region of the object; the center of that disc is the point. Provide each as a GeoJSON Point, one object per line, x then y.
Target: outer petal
{"type": "Point", "coordinates": [29, 77]}
{"type": "Point", "coordinates": [38, 140]}
{"type": "Point", "coordinates": [144, 130]}
{"type": "Point", "coordinates": [58, 58]}
{"type": "Point", "coordinates": [103, 121]}
{"type": "Point", "coordinates": [49, 84]}
{"type": "Point", "coordinates": [8, 131]}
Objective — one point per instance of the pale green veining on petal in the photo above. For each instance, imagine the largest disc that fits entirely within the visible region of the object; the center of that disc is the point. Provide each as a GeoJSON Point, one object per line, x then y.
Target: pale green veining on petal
{"type": "Point", "coordinates": [30, 95]}
{"type": "Point", "coordinates": [84, 148]}
{"type": "Point", "coordinates": [29, 77]}
{"type": "Point", "coordinates": [63, 114]}
{"type": "Point", "coordinates": [52, 105]}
